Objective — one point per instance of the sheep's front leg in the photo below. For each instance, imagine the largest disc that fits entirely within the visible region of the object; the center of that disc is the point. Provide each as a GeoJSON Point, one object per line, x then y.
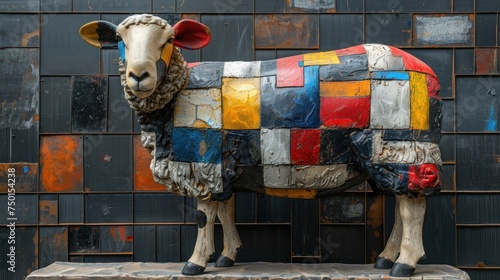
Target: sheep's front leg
{"type": "Point", "coordinates": [204, 248]}
{"type": "Point", "coordinates": [387, 258]}
{"type": "Point", "coordinates": [412, 211]}
{"type": "Point", "coordinates": [232, 242]}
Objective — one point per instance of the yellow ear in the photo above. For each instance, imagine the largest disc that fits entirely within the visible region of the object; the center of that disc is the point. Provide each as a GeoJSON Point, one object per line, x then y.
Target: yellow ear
{"type": "Point", "coordinates": [100, 34]}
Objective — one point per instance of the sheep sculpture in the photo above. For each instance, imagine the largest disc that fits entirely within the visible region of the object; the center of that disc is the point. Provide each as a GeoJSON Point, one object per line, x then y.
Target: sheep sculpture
{"type": "Point", "coordinates": [300, 127]}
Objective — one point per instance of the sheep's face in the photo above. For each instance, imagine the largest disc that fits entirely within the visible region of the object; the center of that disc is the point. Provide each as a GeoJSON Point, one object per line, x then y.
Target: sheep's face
{"type": "Point", "coordinates": [145, 49]}
{"type": "Point", "coordinates": [146, 44]}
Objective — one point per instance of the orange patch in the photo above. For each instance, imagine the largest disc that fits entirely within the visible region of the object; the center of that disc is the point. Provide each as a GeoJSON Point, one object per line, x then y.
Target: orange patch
{"type": "Point", "coordinates": [61, 164]}
{"type": "Point", "coordinates": [291, 193]}
{"type": "Point", "coordinates": [143, 178]}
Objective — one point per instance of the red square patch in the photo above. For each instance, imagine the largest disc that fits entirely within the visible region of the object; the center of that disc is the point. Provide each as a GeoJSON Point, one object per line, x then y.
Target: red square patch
{"type": "Point", "coordinates": [305, 145]}
{"type": "Point", "coordinates": [345, 112]}
{"type": "Point", "coordinates": [290, 73]}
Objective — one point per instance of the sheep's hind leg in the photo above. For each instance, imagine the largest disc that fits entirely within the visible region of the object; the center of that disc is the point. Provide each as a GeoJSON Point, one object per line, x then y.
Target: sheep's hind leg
{"type": "Point", "coordinates": [232, 242]}
{"type": "Point", "coordinates": [412, 211]}
{"type": "Point", "coordinates": [387, 258]}
{"type": "Point", "coordinates": [204, 248]}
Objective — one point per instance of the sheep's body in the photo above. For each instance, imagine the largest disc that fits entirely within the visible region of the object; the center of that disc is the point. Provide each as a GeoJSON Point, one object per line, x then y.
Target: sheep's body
{"type": "Point", "coordinates": [301, 126]}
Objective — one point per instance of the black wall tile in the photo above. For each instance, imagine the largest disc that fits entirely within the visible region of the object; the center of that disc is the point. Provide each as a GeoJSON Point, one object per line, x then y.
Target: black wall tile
{"type": "Point", "coordinates": [144, 243]}
{"type": "Point", "coordinates": [390, 29]}
{"type": "Point", "coordinates": [374, 226]}
{"type": "Point", "coordinates": [305, 227]}
{"type": "Point", "coordinates": [219, 7]}
{"type": "Point", "coordinates": [24, 144]}
{"type": "Point", "coordinates": [439, 6]}
{"type": "Point", "coordinates": [70, 208]}
{"type": "Point", "coordinates": [232, 37]}
{"type": "Point", "coordinates": [167, 243]}
{"type": "Point", "coordinates": [19, 30]}
{"type": "Point", "coordinates": [463, 5]}
{"type": "Point", "coordinates": [486, 33]}
{"type": "Point", "coordinates": [62, 49]}
{"type": "Point", "coordinates": [84, 239]}
{"type": "Point", "coordinates": [345, 208]}
{"type": "Point", "coordinates": [53, 245]}
{"type": "Point", "coordinates": [26, 252]}
{"type": "Point", "coordinates": [51, 6]}
{"type": "Point", "coordinates": [439, 231]}
{"type": "Point", "coordinates": [88, 106]}
{"type": "Point", "coordinates": [158, 207]}
{"type": "Point", "coordinates": [268, 244]}
{"type": "Point", "coordinates": [478, 208]}
{"type": "Point", "coordinates": [164, 6]}
{"type": "Point", "coordinates": [336, 243]}
{"type": "Point", "coordinates": [483, 274]}
{"type": "Point", "coordinates": [5, 145]}
{"type": "Point", "coordinates": [108, 162]}
{"type": "Point", "coordinates": [337, 31]}
{"type": "Point", "coordinates": [477, 103]}
{"type": "Point", "coordinates": [464, 61]}
{"type": "Point", "coordinates": [272, 209]}
{"type": "Point", "coordinates": [477, 162]}
{"type": "Point", "coordinates": [245, 207]}
{"type": "Point", "coordinates": [119, 111]}
{"type": "Point", "coordinates": [20, 85]}
{"type": "Point", "coordinates": [55, 104]}
{"type": "Point", "coordinates": [111, 6]}
{"type": "Point", "coordinates": [487, 6]}
{"type": "Point", "coordinates": [447, 147]}
{"type": "Point", "coordinates": [48, 210]}
{"type": "Point", "coordinates": [448, 177]}
{"type": "Point", "coordinates": [350, 6]}
{"type": "Point", "coordinates": [107, 258]}
{"type": "Point", "coordinates": [110, 208]}
{"type": "Point", "coordinates": [269, 6]}
{"type": "Point", "coordinates": [19, 6]}
{"type": "Point", "coordinates": [478, 246]}
{"type": "Point", "coordinates": [188, 240]}
{"type": "Point", "coordinates": [448, 120]}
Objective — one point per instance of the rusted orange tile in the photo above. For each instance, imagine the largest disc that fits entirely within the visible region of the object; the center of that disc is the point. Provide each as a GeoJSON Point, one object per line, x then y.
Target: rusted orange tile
{"type": "Point", "coordinates": [61, 164]}
{"type": "Point", "coordinates": [143, 178]}
{"type": "Point", "coordinates": [291, 193]}
{"type": "Point", "coordinates": [345, 88]}
{"type": "Point", "coordinates": [24, 178]}
{"type": "Point", "coordinates": [48, 212]}
{"type": "Point", "coordinates": [284, 31]}
{"type": "Point", "coordinates": [486, 61]}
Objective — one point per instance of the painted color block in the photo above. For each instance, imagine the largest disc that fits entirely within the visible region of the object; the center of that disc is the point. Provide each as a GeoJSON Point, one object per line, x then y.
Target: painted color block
{"type": "Point", "coordinates": [61, 163]}
{"type": "Point", "coordinates": [25, 180]}
{"type": "Point", "coordinates": [205, 75]}
{"type": "Point", "coordinates": [290, 73]}
{"type": "Point", "coordinates": [143, 179]}
{"type": "Point", "coordinates": [345, 88]}
{"type": "Point", "coordinates": [277, 176]}
{"type": "Point", "coordinates": [305, 146]}
{"type": "Point", "coordinates": [411, 63]}
{"type": "Point", "coordinates": [200, 108]}
{"type": "Point", "coordinates": [291, 107]}
{"type": "Point", "coordinates": [241, 103]}
{"type": "Point", "coordinates": [381, 58]}
{"type": "Point", "coordinates": [268, 68]}
{"type": "Point", "coordinates": [321, 58]}
{"type": "Point", "coordinates": [433, 86]}
{"type": "Point", "coordinates": [345, 112]}
{"type": "Point", "coordinates": [335, 147]}
{"type": "Point", "coordinates": [390, 75]}
{"type": "Point", "coordinates": [351, 50]}
{"type": "Point", "coordinates": [390, 105]}
{"type": "Point", "coordinates": [423, 176]}
{"type": "Point", "coordinates": [241, 69]}
{"type": "Point", "coordinates": [410, 152]}
{"type": "Point", "coordinates": [419, 102]}
{"type": "Point", "coordinates": [320, 176]}
{"type": "Point", "coordinates": [243, 146]}
{"type": "Point", "coordinates": [444, 30]}
{"type": "Point", "coordinates": [275, 146]}
{"type": "Point", "coordinates": [351, 67]}
{"type": "Point", "coordinates": [197, 145]}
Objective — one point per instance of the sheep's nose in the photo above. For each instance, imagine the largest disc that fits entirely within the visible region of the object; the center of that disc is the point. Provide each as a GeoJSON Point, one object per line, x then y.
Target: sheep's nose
{"type": "Point", "coordinates": [138, 78]}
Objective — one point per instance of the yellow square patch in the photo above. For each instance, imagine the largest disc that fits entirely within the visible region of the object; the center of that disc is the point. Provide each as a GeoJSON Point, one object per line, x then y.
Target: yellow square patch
{"type": "Point", "coordinates": [241, 103]}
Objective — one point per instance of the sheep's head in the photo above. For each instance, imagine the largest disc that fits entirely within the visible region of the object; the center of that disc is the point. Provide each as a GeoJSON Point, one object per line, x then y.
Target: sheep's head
{"type": "Point", "coordinates": [146, 44]}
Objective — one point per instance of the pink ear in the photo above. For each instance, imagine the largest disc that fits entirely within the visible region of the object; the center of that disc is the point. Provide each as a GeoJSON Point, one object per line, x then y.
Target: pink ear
{"type": "Point", "coordinates": [191, 35]}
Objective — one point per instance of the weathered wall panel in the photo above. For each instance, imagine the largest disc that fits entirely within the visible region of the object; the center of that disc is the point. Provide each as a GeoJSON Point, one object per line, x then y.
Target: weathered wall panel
{"type": "Point", "coordinates": [89, 96]}
{"type": "Point", "coordinates": [478, 246]}
{"type": "Point", "coordinates": [119, 112]}
{"type": "Point", "coordinates": [335, 244]}
{"type": "Point", "coordinates": [111, 6]}
{"type": "Point", "coordinates": [144, 243]}
{"type": "Point", "coordinates": [433, 6]}
{"type": "Point", "coordinates": [272, 209]}
{"type": "Point", "coordinates": [110, 208]}
{"type": "Point", "coordinates": [55, 104]}
{"type": "Point", "coordinates": [286, 31]}
{"type": "Point", "coordinates": [486, 33]}
{"type": "Point", "coordinates": [293, 6]}
{"type": "Point", "coordinates": [158, 207]}
{"type": "Point", "coordinates": [48, 209]}
{"type": "Point", "coordinates": [70, 208]}
{"type": "Point", "coordinates": [116, 239]}
{"type": "Point", "coordinates": [219, 7]}
{"type": "Point", "coordinates": [25, 180]}
{"type": "Point", "coordinates": [19, 30]}
{"type": "Point", "coordinates": [168, 246]}
{"type": "Point", "coordinates": [391, 29]}
{"type": "Point", "coordinates": [20, 6]}
{"type": "Point", "coordinates": [305, 227]}
{"type": "Point", "coordinates": [433, 30]}
{"type": "Point", "coordinates": [478, 208]}
{"type": "Point", "coordinates": [53, 245]}
{"type": "Point", "coordinates": [340, 31]}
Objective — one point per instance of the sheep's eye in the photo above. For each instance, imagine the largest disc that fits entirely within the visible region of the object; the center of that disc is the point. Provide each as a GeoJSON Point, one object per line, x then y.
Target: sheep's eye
{"type": "Point", "coordinates": [170, 40]}
{"type": "Point", "coordinates": [118, 37]}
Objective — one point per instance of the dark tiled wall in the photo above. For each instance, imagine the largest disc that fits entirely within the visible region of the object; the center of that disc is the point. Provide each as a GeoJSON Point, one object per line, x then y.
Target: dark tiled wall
{"type": "Point", "coordinates": [84, 191]}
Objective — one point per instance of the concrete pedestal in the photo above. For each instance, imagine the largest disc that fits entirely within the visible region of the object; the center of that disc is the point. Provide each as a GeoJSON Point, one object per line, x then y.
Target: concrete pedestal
{"type": "Point", "coordinates": [247, 271]}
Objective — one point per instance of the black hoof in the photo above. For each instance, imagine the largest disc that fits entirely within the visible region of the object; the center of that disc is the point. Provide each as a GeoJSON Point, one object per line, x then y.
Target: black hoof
{"type": "Point", "coordinates": [383, 263]}
{"type": "Point", "coordinates": [224, 261]}
{"type": "Point", "coordinates": [401, 270]}
{"type": "Point", "coordinates": [192, 269]}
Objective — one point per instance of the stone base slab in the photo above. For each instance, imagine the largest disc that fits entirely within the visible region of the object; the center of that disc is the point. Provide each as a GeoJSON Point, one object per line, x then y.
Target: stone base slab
{"type": "Point", "coordinates": [247, 271]}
